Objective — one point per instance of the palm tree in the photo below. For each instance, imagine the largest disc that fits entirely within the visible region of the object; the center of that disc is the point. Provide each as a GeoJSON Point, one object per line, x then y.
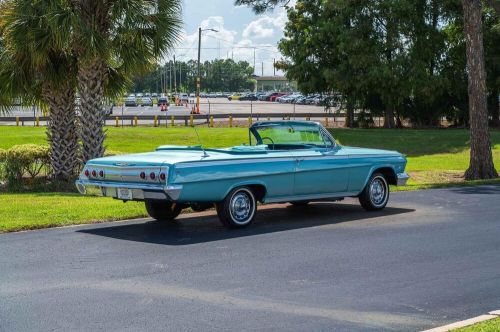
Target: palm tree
{"type": "Point", "coordinates": [114, 39]}
{"type": "Point", "coordinates": [35, 66]}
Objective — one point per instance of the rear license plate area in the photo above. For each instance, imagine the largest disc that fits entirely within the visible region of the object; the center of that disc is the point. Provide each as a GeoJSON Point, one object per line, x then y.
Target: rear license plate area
{"type": "Point", "coordinates": [124, 193]}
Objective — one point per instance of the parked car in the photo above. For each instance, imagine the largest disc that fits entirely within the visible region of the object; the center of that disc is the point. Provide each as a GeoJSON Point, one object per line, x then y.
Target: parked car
{"type": "Point", "coordinates": [279, 94]}
{"type": "Point", "coordinates": [269, 96]}
{"type": "Point", "coordinates": [300, 100]}
{"type": "Point", "coordinates": [265, 96]}
{"type": "Point", "coordinates": [235, 96]}
{"type": "Point", "coordinates": [249, 97]}
{"type": "Point", "coordinates": [290, 98]}
{"type": "Point", "coordinates": [285, 161]}
{"type": "Point", "coordinates": [162, 100]}
{"type": "Point", "coordinates": [130, 101]}
{"type": "Point", "coordinates": [184, 97]}
{"type": "Point", "coordinates": [146, 101]}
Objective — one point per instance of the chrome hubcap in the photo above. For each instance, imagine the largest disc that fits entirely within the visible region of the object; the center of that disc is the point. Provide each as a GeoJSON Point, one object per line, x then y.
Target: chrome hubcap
{"type": "Point", "coordinates": [241, 207]}
{"type": "Point", "coordinates": [377, 191]}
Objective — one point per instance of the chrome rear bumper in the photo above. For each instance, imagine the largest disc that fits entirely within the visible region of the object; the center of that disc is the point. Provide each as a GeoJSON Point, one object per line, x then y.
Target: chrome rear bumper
{"type": "Point", "coordinates": [402, 178]}
{"type": "Point", "coordinates": [140, 191]}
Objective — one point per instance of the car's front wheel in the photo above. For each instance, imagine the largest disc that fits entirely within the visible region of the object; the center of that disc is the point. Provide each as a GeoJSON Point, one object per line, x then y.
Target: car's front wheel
{"type": "Point", "coordinates": [238, 209]}
{"type": "Point", "coordinates": [162, 210]}
{"type": "Point", "coordinates": [376, 193]}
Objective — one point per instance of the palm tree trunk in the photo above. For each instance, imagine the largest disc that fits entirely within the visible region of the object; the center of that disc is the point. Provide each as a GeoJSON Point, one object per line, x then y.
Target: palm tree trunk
{"type": "Point", "coordinates": [62, 133]}
{"type": "Point", "coordinates": [91, 80]}
{"type": "Point", "coordinates": [481, 161]}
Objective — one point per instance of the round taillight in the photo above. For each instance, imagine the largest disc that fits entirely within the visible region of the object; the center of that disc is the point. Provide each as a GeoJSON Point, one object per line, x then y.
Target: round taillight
{"type": "Point", "coordinates": [86, 172]}
{"type": "Point", "coordinates": [94, 173]}
{"type": "Point", "coordinates": [163, 176]}
{"type": "Point", "coordinates": [152, 175]}
{"type": "Point", "coordinates": [143, 175]}
{"type": "Point", "coordinates": [101, 173]}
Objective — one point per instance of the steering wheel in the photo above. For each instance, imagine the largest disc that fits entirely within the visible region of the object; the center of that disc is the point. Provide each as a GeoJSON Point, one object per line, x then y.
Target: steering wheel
{"type": "Point", "coordinates": [269, 138]}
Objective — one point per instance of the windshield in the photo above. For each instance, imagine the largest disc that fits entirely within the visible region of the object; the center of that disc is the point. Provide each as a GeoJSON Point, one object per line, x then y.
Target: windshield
{"type": "Point", "coordinates": [291, 136]}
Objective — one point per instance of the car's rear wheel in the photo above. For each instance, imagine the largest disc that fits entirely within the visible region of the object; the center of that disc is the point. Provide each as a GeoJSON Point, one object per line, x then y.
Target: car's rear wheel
{"type": "Point", "coordinates": [238, 209]}
{"type": "Point", "coordinates": [376, 193]}
{"type": "Point", "coordinates": [162, 210]}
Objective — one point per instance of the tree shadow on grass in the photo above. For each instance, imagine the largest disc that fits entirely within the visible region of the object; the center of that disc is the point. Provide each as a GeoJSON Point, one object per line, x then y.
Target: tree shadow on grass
{"type": "Point", "coordinates": [411, 142]}
{"type": "Point", "coordinates": [199, 229]}
{"type": "Point", "coordinates": [481, 190]}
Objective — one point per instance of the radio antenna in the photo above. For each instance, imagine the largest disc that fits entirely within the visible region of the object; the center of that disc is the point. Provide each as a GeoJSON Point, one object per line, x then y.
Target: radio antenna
{"type": "Point", "coordinates": [205, 154]}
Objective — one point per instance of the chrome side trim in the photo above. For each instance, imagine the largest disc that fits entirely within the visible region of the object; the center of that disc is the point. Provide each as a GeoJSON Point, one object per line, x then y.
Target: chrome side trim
{"type": "Point", "coordinates": [232, 162]}
{"type": "Point", "coordinates": [402, 179]}
{"type": "Point", "coordinates": [313, 197]}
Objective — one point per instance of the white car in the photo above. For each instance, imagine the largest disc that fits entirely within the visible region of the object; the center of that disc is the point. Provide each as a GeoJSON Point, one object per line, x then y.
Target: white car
{"type": "Point", "coordinates": [130, 101]}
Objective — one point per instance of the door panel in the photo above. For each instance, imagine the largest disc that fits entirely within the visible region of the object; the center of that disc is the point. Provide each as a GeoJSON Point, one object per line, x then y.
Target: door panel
{"type": "Point", "coordinates": [321, 171]}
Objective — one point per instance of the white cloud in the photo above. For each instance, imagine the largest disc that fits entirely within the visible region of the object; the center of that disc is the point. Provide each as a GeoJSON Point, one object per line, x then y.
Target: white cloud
{"type": "Point", "coordinates": [257, 42]}
{"type": "Point", "coordinates": [266, 26]}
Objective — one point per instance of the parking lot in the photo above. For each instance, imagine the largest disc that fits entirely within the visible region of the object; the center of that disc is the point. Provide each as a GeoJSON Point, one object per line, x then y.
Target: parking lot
{"type": "Point", "coordinates": [207, 106]}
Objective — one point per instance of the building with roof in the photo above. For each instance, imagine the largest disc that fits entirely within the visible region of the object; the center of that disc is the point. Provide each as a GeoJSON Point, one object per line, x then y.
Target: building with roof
{"type": "Point", "coordinates": [274, 83]}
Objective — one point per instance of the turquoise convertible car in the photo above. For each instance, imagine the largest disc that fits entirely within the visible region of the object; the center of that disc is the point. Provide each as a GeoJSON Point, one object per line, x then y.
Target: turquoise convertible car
{"type": "Point", "coordinates": [285, 161]}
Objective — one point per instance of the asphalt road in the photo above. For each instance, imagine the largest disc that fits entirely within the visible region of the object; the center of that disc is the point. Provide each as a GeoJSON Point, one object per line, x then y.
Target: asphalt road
{"type": "Point", "coordinates": [431, 258]}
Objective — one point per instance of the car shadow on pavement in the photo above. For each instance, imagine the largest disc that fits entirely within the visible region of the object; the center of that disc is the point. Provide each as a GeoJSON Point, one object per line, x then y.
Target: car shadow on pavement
{"type": "Point", "coordinates": [206, 228]}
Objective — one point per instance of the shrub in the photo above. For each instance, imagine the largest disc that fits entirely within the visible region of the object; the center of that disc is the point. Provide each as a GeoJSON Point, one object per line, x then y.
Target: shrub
{"type": "Point", "coordinates": [3, 155]}
{"type": "Point", "coordinates": [26, 159]}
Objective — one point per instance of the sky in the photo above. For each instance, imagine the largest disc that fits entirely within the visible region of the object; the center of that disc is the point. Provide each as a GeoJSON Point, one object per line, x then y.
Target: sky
{"type": "Point", "coordinates": [239, 32]}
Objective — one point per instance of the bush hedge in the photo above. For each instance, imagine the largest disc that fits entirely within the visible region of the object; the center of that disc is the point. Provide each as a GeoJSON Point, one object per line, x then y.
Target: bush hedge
{"type": "Point", "coordinates": [27, 160]}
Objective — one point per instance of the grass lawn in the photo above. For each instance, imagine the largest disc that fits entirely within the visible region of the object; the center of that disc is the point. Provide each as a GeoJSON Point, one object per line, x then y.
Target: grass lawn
{"type": "Point", "coordinates": [41, 210]}
{"type": "Point", "coordinates": [492, 325]}
{"type": "Point", "coordinates": [435, 158]}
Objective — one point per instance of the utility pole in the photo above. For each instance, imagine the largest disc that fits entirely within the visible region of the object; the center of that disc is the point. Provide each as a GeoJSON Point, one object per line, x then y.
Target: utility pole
{"type": "Point", "coordinates": [254, 69]}
{"type": "Point", "coordinates": [166, 74]}
{"type": "Point", "coordinates": [175, 77]}
{"type": "Point", "coordinates": [198, 79]}
{"type": "Point", "coordinates": [170, 75]}
{"type": "Point", "coordinates": [262, 68]}
{"type": "Point", "coordinates": [274, 67]}
{"type": "Point", "coordinates": [161, 80]}
{"type": "Point", "coordinates": [180, 76]}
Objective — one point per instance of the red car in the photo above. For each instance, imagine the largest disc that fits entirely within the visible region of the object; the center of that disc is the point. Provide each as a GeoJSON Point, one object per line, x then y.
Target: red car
{"type": "Point", "coordinates": [277, 95]}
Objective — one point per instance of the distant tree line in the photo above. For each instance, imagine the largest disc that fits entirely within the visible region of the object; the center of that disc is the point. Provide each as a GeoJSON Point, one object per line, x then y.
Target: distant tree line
{"type": "Point", "coordinates": [216, 75]}
{"type": "Point", "coordinates": [400, 59]}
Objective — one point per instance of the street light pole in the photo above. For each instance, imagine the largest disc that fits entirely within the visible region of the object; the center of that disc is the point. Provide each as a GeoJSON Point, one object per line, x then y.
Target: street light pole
{"type": "Point", "coordinates": [198, 79]}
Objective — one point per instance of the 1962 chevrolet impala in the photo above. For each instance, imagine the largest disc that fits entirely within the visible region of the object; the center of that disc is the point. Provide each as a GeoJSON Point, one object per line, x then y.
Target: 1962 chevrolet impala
{"type": "Point", "coordinates": [286, 161]}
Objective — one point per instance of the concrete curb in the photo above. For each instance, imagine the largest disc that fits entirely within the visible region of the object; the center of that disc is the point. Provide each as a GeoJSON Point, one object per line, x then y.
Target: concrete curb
{"type": "Point", "coordinates": [467, 322]}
